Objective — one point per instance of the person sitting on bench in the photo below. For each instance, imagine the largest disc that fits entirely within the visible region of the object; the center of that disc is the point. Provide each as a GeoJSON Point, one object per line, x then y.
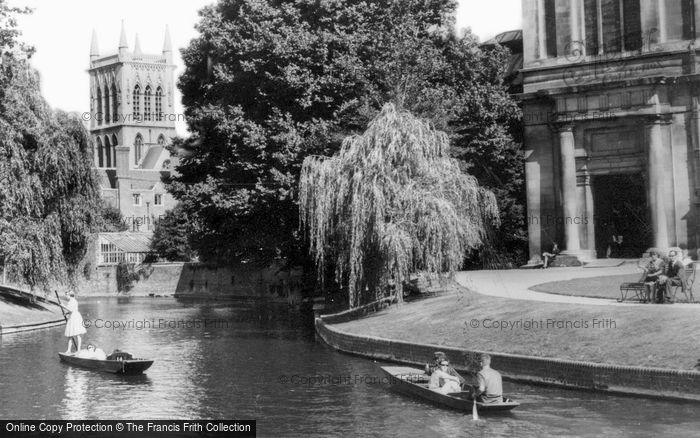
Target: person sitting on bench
{"type": "Point", "coordinates": [654, 268]}
{"type": "Point", "coordinates": [549, 256]}
{"type": "Point", "coordinates": [674, 275]}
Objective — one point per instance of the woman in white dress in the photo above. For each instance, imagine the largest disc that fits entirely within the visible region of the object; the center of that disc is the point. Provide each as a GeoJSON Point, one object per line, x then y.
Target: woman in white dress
{"type": "Point", "coordinates": [442, 382]}
{"type": "Point", "coordinates": [74, 325]}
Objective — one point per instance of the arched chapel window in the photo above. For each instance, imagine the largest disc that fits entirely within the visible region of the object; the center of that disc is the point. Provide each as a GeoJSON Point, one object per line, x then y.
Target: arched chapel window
{"type": "Point", "coordinates": [115, 117]}
{"type": "Point", "coordinates": [108, 152]}
{"type": "Point", "coordinates": [137, 102]}
{"type": "Point", "coordinates": [108, 116]}
{"type": "Point", "coordinates": [100, 161]}
{"type": "Point", "coordinates": [159, 104]}
{"type": "Point", "coordinates": [138, 148]}
{"type": "Point", "coordinates": [99, 114]}
{"type": "Point", "coordinates": [147, 103]}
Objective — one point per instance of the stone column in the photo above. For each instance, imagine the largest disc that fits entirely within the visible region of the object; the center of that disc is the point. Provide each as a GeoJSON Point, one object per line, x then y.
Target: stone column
{"type": "Point", "coordinates": [534, 213]}
{"type": "Point", "coordinates": [657, 183]}
{"type": "Point", "coordinates": [568, 182]}
{"type": "Point", "coordinates": [695, 135]}
{"type": "Point", "coordinates": [575, 20]}
{"type": "Point", "coordinates": [662, 20]}
{"type": "Point", "coordinates": [541, 31]}
{"type": "Point", "coordinates": [531, 30]}
{"type": "Point", "coordinates": [590, 215]}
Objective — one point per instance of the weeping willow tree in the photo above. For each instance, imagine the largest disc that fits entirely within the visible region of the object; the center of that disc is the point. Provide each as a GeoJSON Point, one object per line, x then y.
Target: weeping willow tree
{"type": "Point", "coordinates": [391, 203]}
{"type": "Point", "coordinates": [49, 199]}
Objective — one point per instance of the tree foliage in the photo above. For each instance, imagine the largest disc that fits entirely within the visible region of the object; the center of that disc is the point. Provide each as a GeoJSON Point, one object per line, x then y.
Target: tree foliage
{"type": "Point", "coordinates": [268, 83]}
{"type": "Point", "coordinates": [171, 236]}
{"type": "Point", "coordinates": [392, 203]}
{"type": "Point", "coordinates": [112, 220]}
{"type": "Point", "coordinates": [48, 192]}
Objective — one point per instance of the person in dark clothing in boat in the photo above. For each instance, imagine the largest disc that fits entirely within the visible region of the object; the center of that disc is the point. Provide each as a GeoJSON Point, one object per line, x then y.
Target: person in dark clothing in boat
{"type": "Point", "coordinates": [490, 389]}
{"type": "Point", "coordinates": [438, 357]}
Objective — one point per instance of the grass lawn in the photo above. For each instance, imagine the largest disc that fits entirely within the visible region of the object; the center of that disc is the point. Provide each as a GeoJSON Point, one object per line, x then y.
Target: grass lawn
{"type": "Point", "coordinates": [664, 336]}
{"type": "Point", "coordinates": [598, 287]}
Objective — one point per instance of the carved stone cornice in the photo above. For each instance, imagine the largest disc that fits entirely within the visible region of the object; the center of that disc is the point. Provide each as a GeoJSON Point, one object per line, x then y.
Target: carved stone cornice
{"type": "Point", "coordinates": [659, 119]}
{"type": "Point", "coordinates": [561, 127]}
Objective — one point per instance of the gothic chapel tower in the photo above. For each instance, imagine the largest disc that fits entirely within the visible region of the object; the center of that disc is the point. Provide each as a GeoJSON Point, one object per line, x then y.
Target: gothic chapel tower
{"type": "Point", "coordinates": [132, 120]}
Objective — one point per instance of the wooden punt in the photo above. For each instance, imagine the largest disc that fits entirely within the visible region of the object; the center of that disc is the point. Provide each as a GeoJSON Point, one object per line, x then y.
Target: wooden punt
{"type": "Point", "coordinates": [414, 382]}
{"type": "Point", "coordinates": [115, 366]}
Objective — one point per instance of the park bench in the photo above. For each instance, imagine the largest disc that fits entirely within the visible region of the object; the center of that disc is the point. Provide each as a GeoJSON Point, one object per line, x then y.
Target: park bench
{"type": "Point", "coordinates": [687, 285]}
{"type": "Point", "coordinates": [634, 290]}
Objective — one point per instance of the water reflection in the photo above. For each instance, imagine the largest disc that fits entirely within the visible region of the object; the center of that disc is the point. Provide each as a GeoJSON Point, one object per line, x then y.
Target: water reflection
{"type": "Point", "coordinates": [75, 401]}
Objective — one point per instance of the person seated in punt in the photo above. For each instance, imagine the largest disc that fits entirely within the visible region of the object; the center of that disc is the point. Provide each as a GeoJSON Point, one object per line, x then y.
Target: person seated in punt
{"type": "Point", "coordinates": [99, 353]}
{"type": "Point", "coordinates": [490, 389]}
{"type": "Point", "coordinates": [92, 352]}
{"type": "Point", "coordinates": [442, 382]}
{"type": "Point", "coordinates": [438, 357]}
{"type": "Point", "coordinates": [653, 269]}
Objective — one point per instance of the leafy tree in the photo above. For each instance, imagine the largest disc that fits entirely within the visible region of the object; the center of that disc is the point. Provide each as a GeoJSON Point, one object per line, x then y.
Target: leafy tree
{"type": "Point", "coordinates": [126, 276]}
{"type": "Point", "coordinates": [392, 203]}
{"type": "Point", "coordinates": [170, 237]}
{"type": "Point", "coordinates": [9, 31]}
{"type": "Point", "coordinates": [48, 192]}
{"type": "Point", "coordinates": [268, 83]}
{"type": "Point", "coordinates": [111, 219]}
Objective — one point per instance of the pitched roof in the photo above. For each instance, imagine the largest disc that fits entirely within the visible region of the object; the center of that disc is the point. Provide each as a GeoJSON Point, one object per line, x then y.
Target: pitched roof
{"type": "Point", "coordinates": [152, 156]}
{"type": "Point", "coordinates": [129, 241]}
{"type": "Point", "coordinates": [509, 38]}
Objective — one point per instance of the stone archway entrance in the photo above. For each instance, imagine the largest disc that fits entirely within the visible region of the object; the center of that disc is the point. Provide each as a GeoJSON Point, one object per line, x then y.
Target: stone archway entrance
{"type": "Point", "coordinates": [620, 205]}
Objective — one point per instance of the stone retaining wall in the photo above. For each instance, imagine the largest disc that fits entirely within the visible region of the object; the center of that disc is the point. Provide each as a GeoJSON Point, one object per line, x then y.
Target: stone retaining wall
{"type": "Point", "coordinates": [196, 280]}
{"type": "Point", "coordinates": [349, 315]}
{"type": "Point", "coordinates": [640, 381]}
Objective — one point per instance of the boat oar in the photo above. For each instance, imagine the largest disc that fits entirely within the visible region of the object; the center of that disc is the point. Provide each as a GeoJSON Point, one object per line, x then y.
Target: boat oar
{"type": "Point", "coordinates": [475, 415]}
{"type": "Point", "coordinates": [65, 317]}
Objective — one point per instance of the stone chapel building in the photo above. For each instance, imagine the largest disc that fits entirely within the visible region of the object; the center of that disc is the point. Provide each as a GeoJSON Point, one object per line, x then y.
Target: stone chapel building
{"type": "Point", "coordinates": [132, 121]}
{"type": "Point", "coordinates": [611, 115]}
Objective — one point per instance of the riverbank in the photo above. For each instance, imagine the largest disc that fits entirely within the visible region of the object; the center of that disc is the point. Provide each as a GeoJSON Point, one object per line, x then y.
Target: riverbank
{"type": "Point", "coordinates": [663, 336]}
{"type": "Point", "coordinates": [18, 313]}
{"type": "Point", "coordinates": [570, 341]}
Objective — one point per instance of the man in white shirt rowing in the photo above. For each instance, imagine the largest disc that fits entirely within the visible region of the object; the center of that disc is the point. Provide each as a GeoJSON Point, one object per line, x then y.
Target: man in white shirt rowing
{"type": "Point", "coordinates": [490, 383]}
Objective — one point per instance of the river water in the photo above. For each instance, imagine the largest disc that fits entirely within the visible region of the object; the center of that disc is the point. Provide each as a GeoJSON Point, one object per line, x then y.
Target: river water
{"type": "Point", "coordinates": [220, 361]}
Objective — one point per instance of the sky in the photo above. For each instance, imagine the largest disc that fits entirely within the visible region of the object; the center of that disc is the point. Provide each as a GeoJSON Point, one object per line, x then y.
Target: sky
{"type": "Point", "coordinates": [60, 31]}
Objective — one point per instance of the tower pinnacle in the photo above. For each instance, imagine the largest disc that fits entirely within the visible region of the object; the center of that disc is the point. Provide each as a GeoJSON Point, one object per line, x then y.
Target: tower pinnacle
{"type": "Point", "coordinates": [137, 45]}
{"type": "Point", "coordinates": [123, 46]}
{"type": "Point", "coordinates": [94, 50]}
{"type": "Point", "coordinates": [167, 45]}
